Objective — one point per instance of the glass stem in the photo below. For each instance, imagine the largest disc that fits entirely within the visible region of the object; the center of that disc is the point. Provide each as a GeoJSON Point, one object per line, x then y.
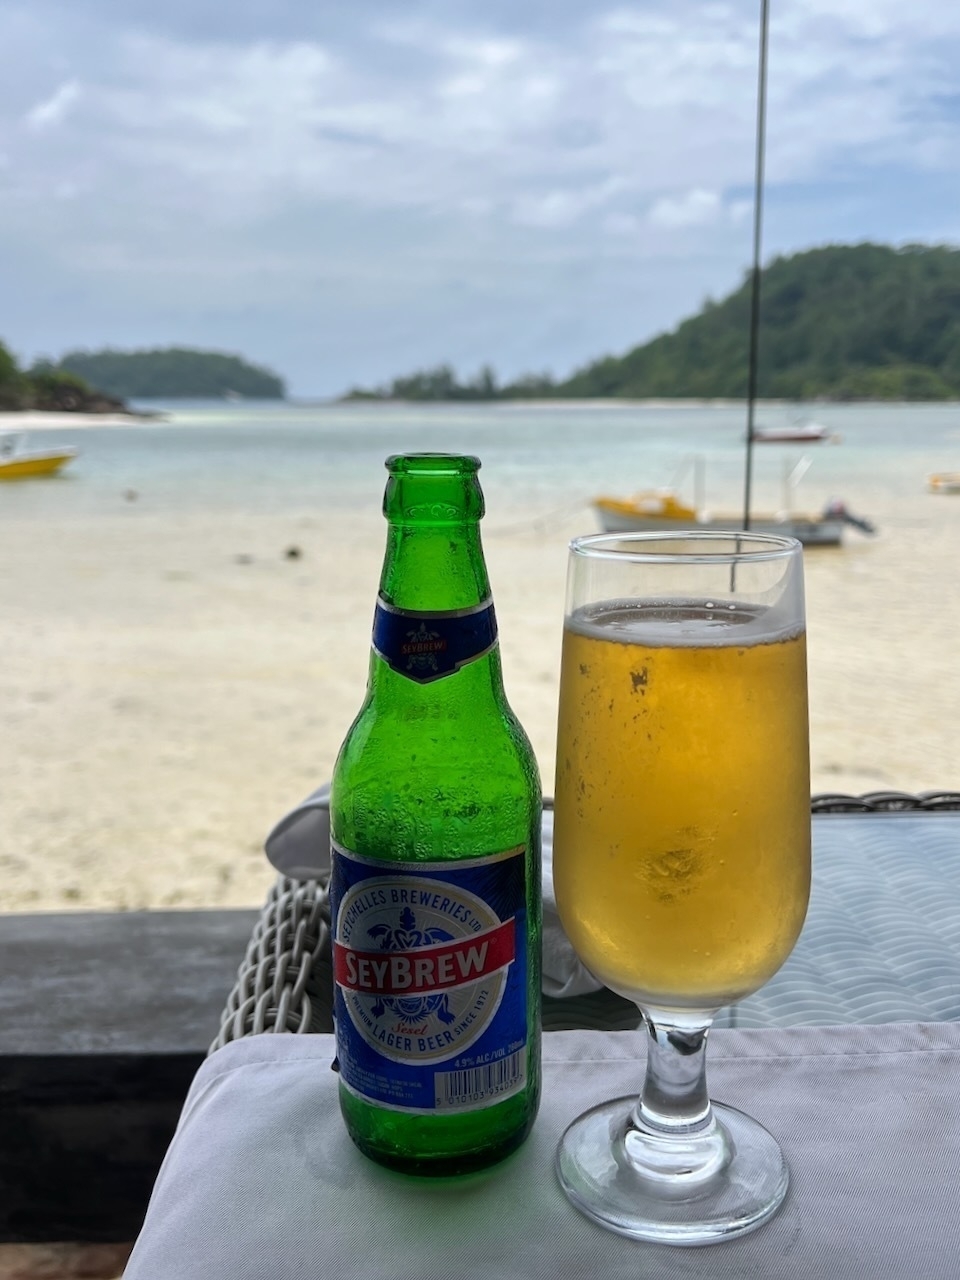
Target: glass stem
{"type": "Point", "coordinates": [673, 1137]}
{"type": "Point", "coordinates": [674, 1101]}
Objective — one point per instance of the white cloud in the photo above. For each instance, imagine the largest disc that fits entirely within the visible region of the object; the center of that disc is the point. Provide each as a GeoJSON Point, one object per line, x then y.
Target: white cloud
{"type": "Point", "coordinates": [564, 207]}
{"type": "Point", "coordinates": [637, 106]}
{"type": "Point", "coordinates": [696, 208]}
{"type": "Point", "coordinates": [53, 110]}
{"type": "Point", "coordinates": [622, 224]}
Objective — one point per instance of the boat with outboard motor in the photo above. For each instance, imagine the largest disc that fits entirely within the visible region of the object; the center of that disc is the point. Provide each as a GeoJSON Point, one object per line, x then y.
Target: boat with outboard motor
{"type": "Point", "coordinates": [662, 509]}
{"type": "Point", "coordinates": [19, 462]}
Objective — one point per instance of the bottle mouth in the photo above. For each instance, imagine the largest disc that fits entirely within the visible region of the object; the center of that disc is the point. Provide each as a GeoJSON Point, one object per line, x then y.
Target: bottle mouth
{"type": "Point", "coordinates": [432, 464]}
{"type": "Point", "coordinates": [433, 489]}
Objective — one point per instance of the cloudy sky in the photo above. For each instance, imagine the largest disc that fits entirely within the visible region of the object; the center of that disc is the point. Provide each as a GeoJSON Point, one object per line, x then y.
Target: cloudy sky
{"type": "Point", "coordinates": [349, 191]}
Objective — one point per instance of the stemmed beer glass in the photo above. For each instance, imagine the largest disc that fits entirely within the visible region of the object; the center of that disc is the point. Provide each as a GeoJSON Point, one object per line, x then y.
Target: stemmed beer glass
{"type": "Point", "coordinates": [681, 851]}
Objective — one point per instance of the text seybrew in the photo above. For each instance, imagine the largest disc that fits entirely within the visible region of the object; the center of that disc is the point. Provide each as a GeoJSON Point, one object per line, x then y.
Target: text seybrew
{"type": "Point", "coordinates": [425, 969]}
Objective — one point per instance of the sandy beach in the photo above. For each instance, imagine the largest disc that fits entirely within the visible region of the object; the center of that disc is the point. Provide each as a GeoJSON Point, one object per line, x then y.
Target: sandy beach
{"type": "Point", "coordinates": [170, 687]}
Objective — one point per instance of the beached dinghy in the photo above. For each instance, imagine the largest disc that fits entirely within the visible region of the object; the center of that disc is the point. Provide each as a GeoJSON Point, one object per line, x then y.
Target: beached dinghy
{"type": "Point", "coordinates": [798, 433]}
{"type": "Point", "coordinates": [662, 509]}
{"type": "Point", "coordinates": [945, 482]}
{"type": "Point", "coordinates": [18, 462]}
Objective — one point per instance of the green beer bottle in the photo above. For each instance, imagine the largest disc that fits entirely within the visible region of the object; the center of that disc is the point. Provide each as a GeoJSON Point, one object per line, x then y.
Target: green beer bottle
{"type": "Point", "coordinates": [435, 811]}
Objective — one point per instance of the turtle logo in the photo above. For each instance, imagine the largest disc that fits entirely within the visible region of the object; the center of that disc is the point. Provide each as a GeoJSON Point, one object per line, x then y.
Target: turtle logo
{"type": "Point", "coordinates": [411, 1010]}
{"type": "Point", "coordinates": [421, 649]}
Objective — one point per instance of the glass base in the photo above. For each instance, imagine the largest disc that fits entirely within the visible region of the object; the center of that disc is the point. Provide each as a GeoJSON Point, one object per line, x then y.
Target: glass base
{"type": "Point", "coordinates": [714, 1185]}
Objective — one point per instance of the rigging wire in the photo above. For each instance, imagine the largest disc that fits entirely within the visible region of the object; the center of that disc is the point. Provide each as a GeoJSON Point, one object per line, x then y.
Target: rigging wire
{"type": "Point", "coordinates": [757, 238]}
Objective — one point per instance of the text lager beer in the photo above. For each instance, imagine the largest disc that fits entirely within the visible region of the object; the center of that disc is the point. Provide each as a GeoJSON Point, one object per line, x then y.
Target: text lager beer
{"type": "Point", "coordinates": [435, 822]}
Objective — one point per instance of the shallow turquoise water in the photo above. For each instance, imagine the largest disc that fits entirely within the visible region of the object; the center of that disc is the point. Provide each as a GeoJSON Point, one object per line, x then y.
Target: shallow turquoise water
{"type": "Point", "coordinates": [267, 458]}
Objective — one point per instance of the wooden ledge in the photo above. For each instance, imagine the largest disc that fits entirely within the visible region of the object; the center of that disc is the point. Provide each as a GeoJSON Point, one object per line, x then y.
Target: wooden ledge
{"type": "Point", "coordinates": [104, 1020]}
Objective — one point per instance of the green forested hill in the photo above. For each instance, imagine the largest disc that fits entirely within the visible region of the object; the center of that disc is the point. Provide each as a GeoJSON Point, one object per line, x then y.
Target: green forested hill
{"type": "Point", "coordinates": [44, 387]}
{"type": "Point", "coordinates": [101, 381]}
{"type": "Point", "coordinates": [846, 322]}
{"type": "Point", "coordinates": [171, 373]}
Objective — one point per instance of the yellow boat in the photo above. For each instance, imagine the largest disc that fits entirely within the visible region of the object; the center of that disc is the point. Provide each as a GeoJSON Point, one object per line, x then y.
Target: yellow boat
{"type": "Point", "coordinates": [17, 462]}
{"type": "Point", "coordinates": [945, 482]}
{"type": "Point", "coordinates": [662, 510]}
{"type": "Point", "coordinates": [658, 506]}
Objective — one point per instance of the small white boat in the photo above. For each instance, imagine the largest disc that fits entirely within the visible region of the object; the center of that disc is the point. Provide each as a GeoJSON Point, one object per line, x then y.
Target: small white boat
{"type": "Point", "coordinates": [18, 462]}
{"type": "Point", "coordinates": [944, 482]}
{"type": "Point", "coordinates": [797, 433]}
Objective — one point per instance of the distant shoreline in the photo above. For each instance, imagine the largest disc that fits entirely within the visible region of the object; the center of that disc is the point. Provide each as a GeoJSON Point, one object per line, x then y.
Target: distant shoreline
{"type": "Point", "coordinates": [807, 407]}
{"type": "Point", "coordinates": [24, 420]}
{"type": "Point", "coordinates": [597, 402]}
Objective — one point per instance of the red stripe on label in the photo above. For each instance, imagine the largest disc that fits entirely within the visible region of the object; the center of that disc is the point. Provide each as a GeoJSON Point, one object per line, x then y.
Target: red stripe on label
{"type": "Point", "coordinates": [424, 969]}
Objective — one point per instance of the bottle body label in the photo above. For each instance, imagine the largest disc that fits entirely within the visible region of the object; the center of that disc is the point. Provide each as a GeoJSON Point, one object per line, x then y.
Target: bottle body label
{"type": "Point", "coordinates": [426, 646]}
{"type": "Point", "coordinates": [430, 980]}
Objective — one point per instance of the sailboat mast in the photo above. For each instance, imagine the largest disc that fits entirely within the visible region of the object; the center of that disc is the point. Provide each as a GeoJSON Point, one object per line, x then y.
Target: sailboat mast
{"type": "Point", "coordinates": [757, 238]}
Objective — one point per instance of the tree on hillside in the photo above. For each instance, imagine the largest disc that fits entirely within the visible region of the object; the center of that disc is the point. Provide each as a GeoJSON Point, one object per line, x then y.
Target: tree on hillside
{"type": "Point", "coordinates": [439, 383]}
{"type": "Point", "coordinates": [46, 388]}
{"type": "Point", "coordinates": [11, 380]}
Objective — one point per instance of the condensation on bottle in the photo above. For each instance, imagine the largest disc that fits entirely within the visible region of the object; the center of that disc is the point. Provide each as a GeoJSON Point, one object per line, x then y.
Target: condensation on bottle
{"type": "Point", "coordinates": [435, 826]}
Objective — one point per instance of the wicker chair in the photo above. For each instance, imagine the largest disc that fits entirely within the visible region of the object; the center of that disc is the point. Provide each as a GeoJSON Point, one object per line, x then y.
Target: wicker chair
{"type": "Point", "coordinates": [285, 981]}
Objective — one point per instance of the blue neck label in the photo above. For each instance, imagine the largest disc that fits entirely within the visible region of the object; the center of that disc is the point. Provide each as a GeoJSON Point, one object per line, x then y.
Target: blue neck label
{"type": "Point", "coordinates": [426, 646]}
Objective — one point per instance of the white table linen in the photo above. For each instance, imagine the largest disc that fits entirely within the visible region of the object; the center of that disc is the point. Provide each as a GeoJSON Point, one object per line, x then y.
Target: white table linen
{"type": "Point", "coordinates": [261, 1181]}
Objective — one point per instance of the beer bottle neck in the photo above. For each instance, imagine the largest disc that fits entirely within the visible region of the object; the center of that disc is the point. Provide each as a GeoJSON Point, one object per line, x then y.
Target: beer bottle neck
{"type": "Point", "coordinates": [434, 621]}
{"type": "Point", "coordinates": [434, 569]}
{"type": "Point", "coordinates": [434, 561]}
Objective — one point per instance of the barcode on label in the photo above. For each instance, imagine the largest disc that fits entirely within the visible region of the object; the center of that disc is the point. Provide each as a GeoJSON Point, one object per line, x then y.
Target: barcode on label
{"type": "Point", "coordinates": [479, 1084]}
